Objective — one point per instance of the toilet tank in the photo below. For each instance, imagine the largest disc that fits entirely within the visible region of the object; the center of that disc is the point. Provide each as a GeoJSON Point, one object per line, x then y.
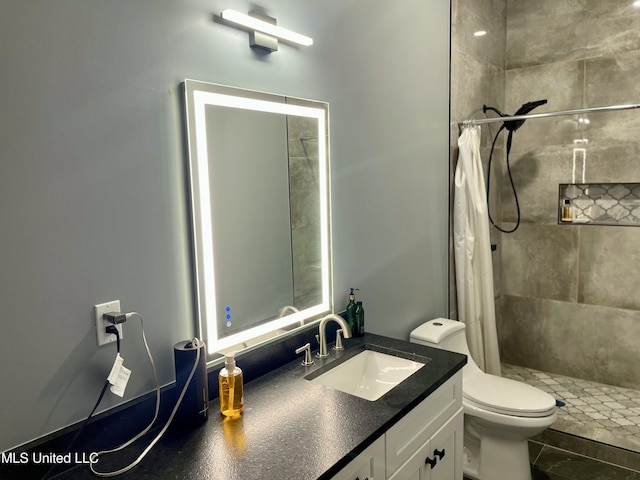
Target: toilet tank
{"type": "Point", "coordinates": [442, 333]}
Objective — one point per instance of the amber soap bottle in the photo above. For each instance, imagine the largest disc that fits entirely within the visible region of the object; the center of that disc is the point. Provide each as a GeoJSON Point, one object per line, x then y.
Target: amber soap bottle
{"type": "Point", "coordinates": [230, 386]}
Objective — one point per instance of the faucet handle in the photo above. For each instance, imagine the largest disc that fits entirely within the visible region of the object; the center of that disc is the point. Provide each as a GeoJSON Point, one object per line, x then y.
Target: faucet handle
{"type": "Point", "coordinates": [307, 354]}
{"type": "Point", "coordinates": [338, 345]}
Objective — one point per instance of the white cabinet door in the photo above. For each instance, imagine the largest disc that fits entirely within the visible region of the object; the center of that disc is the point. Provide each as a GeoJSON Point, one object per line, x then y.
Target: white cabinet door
{"type": "Point", "coordinates": [439, 458]}
{"type": "Point", "coordinates": [369, 465]}
{"type": "Point", "coordinates": [414, 467]}
{"type": "Point", "coordinates": [446, 451]}
{"type": "Point", "coordinates": [420, 424]}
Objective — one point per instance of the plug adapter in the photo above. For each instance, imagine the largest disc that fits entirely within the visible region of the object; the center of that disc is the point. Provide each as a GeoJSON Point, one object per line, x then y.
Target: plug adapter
{"type": "Point", "coordinates": [115, 317]}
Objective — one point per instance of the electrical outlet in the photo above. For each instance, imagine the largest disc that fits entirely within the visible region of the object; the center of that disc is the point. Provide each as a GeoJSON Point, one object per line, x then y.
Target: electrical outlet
{"type": "Point", "coordinates": [102, 324]}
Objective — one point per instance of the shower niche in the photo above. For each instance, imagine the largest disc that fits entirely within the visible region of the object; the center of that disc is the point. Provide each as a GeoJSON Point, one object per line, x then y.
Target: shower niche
{"type": "Point", "coordinates": [615, 204]}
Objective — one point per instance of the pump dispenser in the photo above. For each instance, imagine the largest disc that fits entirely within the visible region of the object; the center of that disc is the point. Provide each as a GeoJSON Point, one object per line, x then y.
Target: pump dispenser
{"type": "Point", "coordinates": [351, 311]}
{"type": "Point", "coordinates": [231, 392]}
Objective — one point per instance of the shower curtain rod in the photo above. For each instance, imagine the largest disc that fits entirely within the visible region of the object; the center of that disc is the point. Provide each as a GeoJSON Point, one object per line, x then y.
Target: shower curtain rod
{"type": "Point", "coordinates": [549, 114]}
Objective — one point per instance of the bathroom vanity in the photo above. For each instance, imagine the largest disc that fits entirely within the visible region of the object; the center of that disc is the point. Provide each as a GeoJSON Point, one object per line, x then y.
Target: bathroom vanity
{"type": "Point", "coordinates": [425, 444]}
{"type": "Point", "coordinates": [294, 429]}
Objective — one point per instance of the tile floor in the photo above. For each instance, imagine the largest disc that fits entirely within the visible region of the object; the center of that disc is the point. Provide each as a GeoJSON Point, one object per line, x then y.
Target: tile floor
{"type": "Point", "coordinates": [595, 411]}
{"type": "Point", "coordinates": [549, 463]}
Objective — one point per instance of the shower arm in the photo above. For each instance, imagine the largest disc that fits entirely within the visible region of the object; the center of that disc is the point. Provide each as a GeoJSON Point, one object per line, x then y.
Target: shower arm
{"type": "Point", "coordinates": [579, 111]}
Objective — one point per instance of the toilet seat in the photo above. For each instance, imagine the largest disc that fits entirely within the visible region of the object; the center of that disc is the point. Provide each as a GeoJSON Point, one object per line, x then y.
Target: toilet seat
{"type": "Point", "coordinates": [506, 396]}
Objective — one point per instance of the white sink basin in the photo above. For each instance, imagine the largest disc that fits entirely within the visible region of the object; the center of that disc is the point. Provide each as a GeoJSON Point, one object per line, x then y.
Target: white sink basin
{"type": "Point", "coordinates": [369, 374]}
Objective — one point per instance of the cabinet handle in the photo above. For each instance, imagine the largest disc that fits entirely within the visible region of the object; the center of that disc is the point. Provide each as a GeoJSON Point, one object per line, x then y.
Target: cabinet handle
{"type": "Point", "coordinates": [366, 478]}
{"type": "Point", "coordinates": [439, 453]}
{"type": "Point", "coordinates": [431, 462]}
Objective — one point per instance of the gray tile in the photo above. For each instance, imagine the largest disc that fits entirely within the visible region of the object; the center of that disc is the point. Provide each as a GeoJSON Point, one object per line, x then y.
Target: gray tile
{"type": "Point", "coordinates": [534, 450]}
{"type": "Point", "coordinates": [473, 83]}
{"type": "Point", "coordinates": [537, 474]}
{"type": "Point", "coordinates": [569, 465]}
{"type": "Point", "coordinates": [487, 15]}
{"type": "Point", "coordinates": [609, 258]}
{"type": "Point", "coordinates": [537, 174]}
{"type": "Point", "coordinates": [596, 450]}
{"type": "Point", "coordinates": [561, 85]}
{"type": "Point", "coordinates": [541, 261]}
{"type": "Point", "coordinates": [534, 332]}
{"type": "Point", "coordinates": [610, 80]}
{"type": "Point", "coordinates": [584, 29]}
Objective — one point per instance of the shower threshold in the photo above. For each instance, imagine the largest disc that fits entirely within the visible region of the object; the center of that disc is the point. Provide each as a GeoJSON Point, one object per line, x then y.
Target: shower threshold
{"type": "Point", "coordinates": [599, 412]}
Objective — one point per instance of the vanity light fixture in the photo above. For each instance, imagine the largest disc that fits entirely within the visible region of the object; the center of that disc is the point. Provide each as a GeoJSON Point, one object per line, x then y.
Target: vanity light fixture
{"type": "Point", "coordinates": [264, 33]}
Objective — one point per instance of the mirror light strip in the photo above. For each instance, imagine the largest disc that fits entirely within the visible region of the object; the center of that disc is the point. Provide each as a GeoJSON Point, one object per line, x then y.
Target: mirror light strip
{"type": "Point", "coordinates": [247, 335]}
{"type": "Point", "coordinates": [264, 27]}
{"type": "Point", "coordinates": [222, 100]}
{"type": "Point", "coordinates": [324, 208]}
{"type": "Point", "coordinates": [206, 230]}
{"type": "Point", "coordinates": [201, 99]}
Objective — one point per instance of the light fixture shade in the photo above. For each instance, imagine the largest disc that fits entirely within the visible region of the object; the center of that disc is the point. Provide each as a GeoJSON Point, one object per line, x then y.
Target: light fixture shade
{"type": "Point", "coordinates": [256, 24]}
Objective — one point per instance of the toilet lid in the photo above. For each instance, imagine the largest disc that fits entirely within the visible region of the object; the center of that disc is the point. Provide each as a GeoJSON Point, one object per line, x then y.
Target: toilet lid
{"type": "Point", "coordinates": [506, 396]}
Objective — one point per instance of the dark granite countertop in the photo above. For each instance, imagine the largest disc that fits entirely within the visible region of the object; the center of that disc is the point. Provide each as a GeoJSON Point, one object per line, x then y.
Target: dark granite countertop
{"type": "Point", "coordinates": [291, 429]}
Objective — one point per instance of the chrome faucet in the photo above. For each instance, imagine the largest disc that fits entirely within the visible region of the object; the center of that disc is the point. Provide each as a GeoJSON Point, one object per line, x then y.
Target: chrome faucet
{"type": "Point", "coordinates": [322, 337]}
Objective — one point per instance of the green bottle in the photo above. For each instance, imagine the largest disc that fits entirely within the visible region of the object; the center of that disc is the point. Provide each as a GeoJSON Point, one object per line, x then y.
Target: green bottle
{"type": "Point", "coordinates": [359, 320]}
{"type": "Point", "coordinates": [351, 313]}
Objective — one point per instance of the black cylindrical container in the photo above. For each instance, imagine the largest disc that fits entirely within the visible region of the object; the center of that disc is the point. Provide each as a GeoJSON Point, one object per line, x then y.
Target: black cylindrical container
{"type": "Point", "coordinates": [194, 408]}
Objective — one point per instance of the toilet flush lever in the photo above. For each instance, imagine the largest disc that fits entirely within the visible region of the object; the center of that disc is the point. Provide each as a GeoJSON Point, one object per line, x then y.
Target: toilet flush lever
{"type": "Point", "coordinates": [307, 354]}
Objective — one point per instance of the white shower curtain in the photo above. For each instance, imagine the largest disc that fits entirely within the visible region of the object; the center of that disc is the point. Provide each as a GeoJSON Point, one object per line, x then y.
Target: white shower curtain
{"type": "Point", "coordinates": [474, 272]}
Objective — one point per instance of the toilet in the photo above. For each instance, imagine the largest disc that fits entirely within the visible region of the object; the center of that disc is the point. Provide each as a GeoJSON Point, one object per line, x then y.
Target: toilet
{"type": "Point", "coordinates": [500, 415]}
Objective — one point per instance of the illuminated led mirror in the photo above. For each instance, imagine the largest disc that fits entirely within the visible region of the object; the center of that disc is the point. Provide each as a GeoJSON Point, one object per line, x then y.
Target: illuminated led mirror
{"type": "Point", "coordinates": [259, 177]}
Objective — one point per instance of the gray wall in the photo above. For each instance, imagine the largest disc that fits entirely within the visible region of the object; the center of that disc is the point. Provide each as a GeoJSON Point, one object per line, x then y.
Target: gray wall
{"type": "Point", "coordinates": [93, 202]}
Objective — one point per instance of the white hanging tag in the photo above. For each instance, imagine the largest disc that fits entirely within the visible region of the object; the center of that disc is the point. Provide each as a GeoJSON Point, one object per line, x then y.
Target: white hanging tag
{"type": "Point", "coordinates": [115, 370]}
{"type": "Point", "coordinates": [121, 382]}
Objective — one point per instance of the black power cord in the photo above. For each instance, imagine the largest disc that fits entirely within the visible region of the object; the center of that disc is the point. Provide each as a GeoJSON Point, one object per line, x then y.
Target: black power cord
{"type": "Point", "coordinates": [109, 329]}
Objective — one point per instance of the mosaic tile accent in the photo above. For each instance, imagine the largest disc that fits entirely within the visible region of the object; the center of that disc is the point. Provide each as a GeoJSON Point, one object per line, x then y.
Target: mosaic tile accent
{"type": "Point", "coordinates": [601, 204]}
{"type": "Point", "coordinates": [593, 410]}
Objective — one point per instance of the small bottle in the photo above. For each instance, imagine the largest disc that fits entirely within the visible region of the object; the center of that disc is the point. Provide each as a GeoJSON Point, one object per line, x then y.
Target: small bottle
{"type": "Point", "coordinates": [359, 320]}
{"type": "Point", "coordinates": [231, 392]}
{"type": "Point", "coordinates": [351, 312]}
{"type": "Point", "coordinates": [567, 214]}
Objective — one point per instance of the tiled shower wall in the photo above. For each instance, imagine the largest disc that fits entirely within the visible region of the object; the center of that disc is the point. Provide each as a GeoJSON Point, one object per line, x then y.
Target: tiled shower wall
{"type": "Point", "coordinates": [566, 295]}
{"type": "Point", "coordinates": [569, 294]}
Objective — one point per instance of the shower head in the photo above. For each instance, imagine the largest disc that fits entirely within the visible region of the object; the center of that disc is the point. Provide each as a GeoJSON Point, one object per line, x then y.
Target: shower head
{"type": "Point", "coordinates": [513, 125]}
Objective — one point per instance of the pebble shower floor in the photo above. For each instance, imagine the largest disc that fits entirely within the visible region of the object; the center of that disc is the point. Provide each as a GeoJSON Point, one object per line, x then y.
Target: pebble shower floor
{"type": "Point", "coordinates": [592, 410]}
